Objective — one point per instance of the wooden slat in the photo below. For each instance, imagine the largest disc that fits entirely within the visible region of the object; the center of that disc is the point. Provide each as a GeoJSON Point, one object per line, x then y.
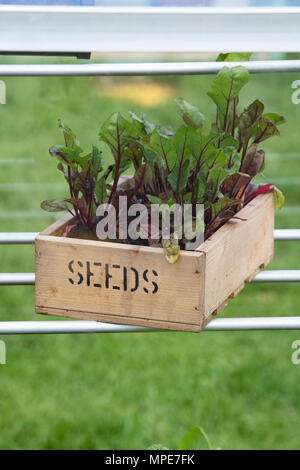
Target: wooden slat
{"type": "Point", "coordinates": [237, 250]}
{"type": "Point", "coordinates": [177, 300]}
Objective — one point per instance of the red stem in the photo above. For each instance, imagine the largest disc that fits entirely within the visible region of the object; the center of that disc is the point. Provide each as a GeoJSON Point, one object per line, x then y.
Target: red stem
{"type": "Point", "coordinates": [179, 169]}
{"type": "Point", "coordinates": [118, 162]}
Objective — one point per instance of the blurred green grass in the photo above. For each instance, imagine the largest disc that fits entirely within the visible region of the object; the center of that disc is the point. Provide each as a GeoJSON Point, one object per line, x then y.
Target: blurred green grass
{"type": "Point", "coordinates": [126, 391]}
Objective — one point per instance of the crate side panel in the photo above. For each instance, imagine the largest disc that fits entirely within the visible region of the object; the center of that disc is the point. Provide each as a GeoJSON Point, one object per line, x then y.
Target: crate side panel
{"type": "Point", "coordinates": [106, 318]}
{"type": "Point", "coordinates": [100, 278]}
{"type": "Point", "coordinates": [238, 250]}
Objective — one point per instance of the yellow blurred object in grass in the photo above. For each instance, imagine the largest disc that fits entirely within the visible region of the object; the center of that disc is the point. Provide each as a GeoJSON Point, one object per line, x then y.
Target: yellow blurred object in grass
{"type": "Point", "coordinates": [145, 94]}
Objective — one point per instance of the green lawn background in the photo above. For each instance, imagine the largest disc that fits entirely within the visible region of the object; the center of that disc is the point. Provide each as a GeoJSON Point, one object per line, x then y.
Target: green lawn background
{"type": "Point", "coordinates": [127, 391]}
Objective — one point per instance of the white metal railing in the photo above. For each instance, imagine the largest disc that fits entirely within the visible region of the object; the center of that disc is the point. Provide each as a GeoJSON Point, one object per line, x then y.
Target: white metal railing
{"type": "Point", "coordinates": [83, 326]}
{"type": "Point", "coordinates": [146, 68]}
{"type": "Point", "coordinates": [27, 279]}
{"type": "Point", "coordinates": [17, 238]}
{"type": "Point", "coordinates": [148, 29]}
{"type": "Point", "coordinates": [224, 324]}
{"type": "Point", "coordinates": [74, 326]}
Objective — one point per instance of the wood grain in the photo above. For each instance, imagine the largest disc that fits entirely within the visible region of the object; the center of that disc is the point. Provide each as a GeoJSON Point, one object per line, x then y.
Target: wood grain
{"type": "Point", "coordinates": [117, 280]}
{"type": "Point", "coordinates": [237, 251]}
{"type": "Point", "coordinates": [135, 285]}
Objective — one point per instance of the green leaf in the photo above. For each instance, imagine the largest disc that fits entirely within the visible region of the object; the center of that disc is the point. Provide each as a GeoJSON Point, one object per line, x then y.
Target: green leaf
{"type": "Point", "coordinates": [117, 131]}
{"type": "Point", "coordinates": [65, 155]}
{"type": "Point", "coordinates": [274, 118]}
{"type": "Point", "coordinates": [265, 129]}
{"type": "Point", "coordinates": [170, 202]}
{"type": "Point", "coordinates": [124, 166]}
{"type": "Point", "coordinates": [71, 140]}
{"type": "Point", "coordinates": [61, 168]}
{"type": "Point", "coordinates": [149, 155]}
{"type": "Point", "coordinates": [191, 439]}
{"type": "Point", "coordinates": [171, 249]}
{"type": "Point", "coordinates": [54, 205]}
{"type": "Point", "coordinates": [85, 161]}
{"type": "Point", "coordinates": [180, 141]}
{"type": "Point", "coordinates": [190, 114]}
{"type": "Point", "coordinates": [154, 199]}
{"type": "Point", "coordinates": [143, 175]}
{"type": "Point", "coordinates": [234, 57]}
{"type": "Point", "coordinates": [164, 148]}
{"type": "Point", "coordinates": [172, 178]}
{"type": "Point", "coordinates": [187, 197]}
{"type": "Point", "coordinates": [225, 87]}
{"type": "Point", "coordinates": [248, 120]}
{"type": "Point", "coordinates": [100, 190]}
{"type": "Point", "coordinates": [149, 127]}
{"type": "Point", "coordinates": [139, 122]}
{"type": "Point", "coordinates": [96, 159]}
{"type": "Point", "coordinates": [278, 199]}
{"type": "Point", "coordinates": [217, 176]}
{"type": "Point", "coordinates": [200, 187]}
{"type": "Point", "coordinates": [184, 175]}
{"type": "Point", "coordinates": [236, 183]}
{"type": "Point", "coordinates": [228, 143]}
{"type": "Point", "coordinates": [253, 161]}
{"type": "Point", "coordinates": [227, 84]}
{"type": "Point", "coordinates": [108, 132]}
{"type": "Point", "coordinates": [81, 181]}
{"type": "Point", "coordinates": [219, 159]}
{"type": "Point", "coordinates": [165, 131]}
{"type": "Point", "coordinates": [221, 205]}
{"type": "Point", "coordinates": [202, 146]}
{"type": "Point", "coordinates": [180, 175]}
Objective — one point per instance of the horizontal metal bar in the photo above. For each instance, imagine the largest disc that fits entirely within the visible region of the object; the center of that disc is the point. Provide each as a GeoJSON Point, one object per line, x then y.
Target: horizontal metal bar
{"type": "Point", "coordinates": [15, 238]}
{"type": "Point", "coordinates": [278, 276]}
{"type": "Point", "coordinates": [141, 10]}
{"type": "Point", "coordinates": [74, 326]}
{"type": "Point", "coordinates": [285, 235]}
{"type": "Point", "coordinates": [150, 68]}
{"type": "Point", "coordinates": [82, 326]}
{"type": "Point", "coordinates": [14, 279]}
{"type": "Point", "coordinates": [254, 323]}
{"type": "Point", "coordinates": [133, 29]}
{"type": "Point", "coordinates": [17, 279]}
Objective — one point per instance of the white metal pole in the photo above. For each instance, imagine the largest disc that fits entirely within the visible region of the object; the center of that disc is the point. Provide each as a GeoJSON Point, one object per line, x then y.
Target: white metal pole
{"type": "Point", "coordinates": [14, 279]}
{"type": "Point", "coordinates": [153, 68]}
{"type": "Point", "coordinates": [83, 326]}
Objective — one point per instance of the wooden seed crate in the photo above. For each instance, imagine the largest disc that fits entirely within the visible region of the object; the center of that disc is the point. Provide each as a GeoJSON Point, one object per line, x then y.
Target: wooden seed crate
{"type": "Point", "coordinates": [135, 285]}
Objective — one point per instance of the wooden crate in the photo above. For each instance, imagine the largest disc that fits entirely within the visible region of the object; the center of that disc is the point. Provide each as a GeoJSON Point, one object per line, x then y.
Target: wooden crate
{"type": "Point", "coordinates": [135, 285]}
